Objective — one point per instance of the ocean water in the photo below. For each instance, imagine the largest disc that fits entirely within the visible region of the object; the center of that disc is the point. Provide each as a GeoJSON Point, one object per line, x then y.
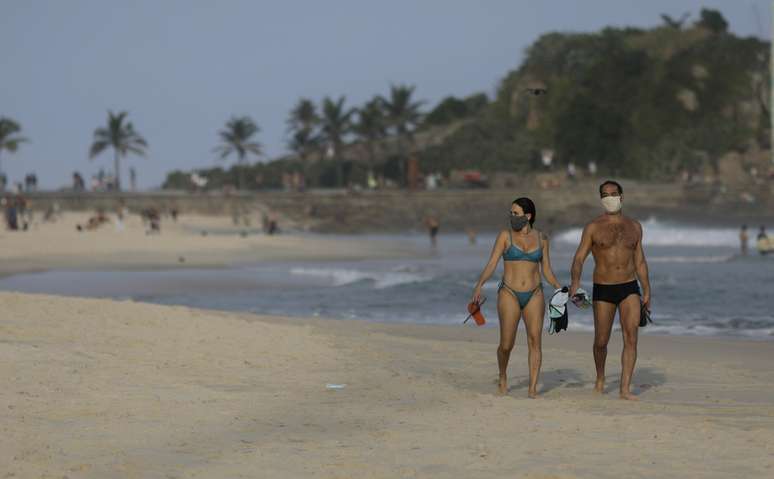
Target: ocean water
{"type": "Point", "coordinates": [701, 286]}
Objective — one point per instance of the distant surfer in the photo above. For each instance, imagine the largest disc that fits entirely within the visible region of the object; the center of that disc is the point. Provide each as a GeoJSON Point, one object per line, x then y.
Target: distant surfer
{"type": "Point", "coordinates": [743, 239]}
{"type": "Point", "coordinates": [615, 241]}
{"type": "Point", "coordinates": [520, 294]}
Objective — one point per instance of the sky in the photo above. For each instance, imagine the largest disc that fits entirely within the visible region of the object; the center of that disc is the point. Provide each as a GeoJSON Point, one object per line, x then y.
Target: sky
{"type": "Point", "coordinates": [182, 68]}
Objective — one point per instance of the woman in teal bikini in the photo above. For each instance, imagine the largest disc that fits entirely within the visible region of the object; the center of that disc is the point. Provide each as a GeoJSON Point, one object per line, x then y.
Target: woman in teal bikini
{"type": "Point", "coordinates": [520, 294]}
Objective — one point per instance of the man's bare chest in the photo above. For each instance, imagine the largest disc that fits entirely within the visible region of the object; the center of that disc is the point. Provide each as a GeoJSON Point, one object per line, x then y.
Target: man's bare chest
{"type": "Point", "coordinates": [615, 235]}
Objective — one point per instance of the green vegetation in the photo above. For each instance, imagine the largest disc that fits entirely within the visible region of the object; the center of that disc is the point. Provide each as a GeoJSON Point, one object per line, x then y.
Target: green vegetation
{"type": "Point", "coordinates": [9, 138]}
{"type": "Point", "coordinates": [235, 138]}
{"type": "Point", "coordinates": [371, 128]}
{"type": "Point", "coordinates": [122, 138]}
{"type": "Point", "coordinates": [640, 103]}
{"type": "Point", "coordinates": [335, 124]}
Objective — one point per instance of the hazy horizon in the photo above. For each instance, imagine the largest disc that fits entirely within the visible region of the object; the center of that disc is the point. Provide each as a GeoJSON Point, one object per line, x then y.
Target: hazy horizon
{"type": "Point", "coordinates": [182, 69]}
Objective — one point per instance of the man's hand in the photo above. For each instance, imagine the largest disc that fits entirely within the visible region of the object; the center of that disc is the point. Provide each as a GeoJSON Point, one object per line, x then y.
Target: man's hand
{"type": "Point", "coordinates": [573, 289]}
{"type": "Point", "coordinates": [646, 300]}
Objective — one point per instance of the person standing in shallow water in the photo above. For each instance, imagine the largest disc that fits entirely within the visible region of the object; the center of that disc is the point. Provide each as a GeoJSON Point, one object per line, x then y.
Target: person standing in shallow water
{"type": "Point", "coordinates": [432, 224]}
{"type": "Point", "coordinates": [615, 241]}
{"type": "Point", "coordinates": [525, 251]}
{"type": "Point", "coordinates": [743, 238]}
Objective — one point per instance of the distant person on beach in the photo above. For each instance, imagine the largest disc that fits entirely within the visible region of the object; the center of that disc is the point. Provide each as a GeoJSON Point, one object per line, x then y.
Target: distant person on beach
{"type": "Point", "coordinates": [471, 235]}
{"type": "Point", "coordinates": [520, 293]}
{"type": "Point", "coordinates": [11, 218]}
{"type": "Point", "coordinates": [432, 224]}
{"type": "Point", "coordinates": [762, 233]}
{"type": "Point", "coordinates": [272, 226]}
{"type": "Point", "coordinates": [23, 212]}
{"type": "Point", "coordinates": [94, 222]}
{"type": "Point", "coordinates": [743, 239]}
{"type": "Point", "coordinates": [764, 242]}
{"type": "Point", "coordinates": [615, 241]}
{"type": "Point", "coordinates": [571, 171]}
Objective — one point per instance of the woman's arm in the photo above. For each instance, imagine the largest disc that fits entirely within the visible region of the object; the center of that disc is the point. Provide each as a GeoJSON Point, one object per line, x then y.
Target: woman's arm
{"type": "Point", "coordinates": [548, 272]}
{"type": "Point", "coordinates": [497, 251]}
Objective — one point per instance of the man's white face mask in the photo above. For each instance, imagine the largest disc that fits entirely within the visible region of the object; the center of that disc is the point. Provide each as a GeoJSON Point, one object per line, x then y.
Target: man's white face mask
{"type": "Point", "coordinates": [612, 204]}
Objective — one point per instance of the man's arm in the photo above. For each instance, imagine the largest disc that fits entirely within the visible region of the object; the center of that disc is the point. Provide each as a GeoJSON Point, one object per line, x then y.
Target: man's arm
{"type": "Point", "coordinates": [641, 268]}
{"type": "Point", "coordinates": [584, 248]}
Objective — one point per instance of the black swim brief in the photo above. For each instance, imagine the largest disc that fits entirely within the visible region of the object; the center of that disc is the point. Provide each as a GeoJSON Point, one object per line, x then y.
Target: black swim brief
{"type": "Point", "coordinates": [615, 293]}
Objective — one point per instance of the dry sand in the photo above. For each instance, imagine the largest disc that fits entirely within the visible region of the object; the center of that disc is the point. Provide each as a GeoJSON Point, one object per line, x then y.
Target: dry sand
{"type": "Point", "coordinates": [101, 389]}
{"type": "Point", "coordinates": [59, 245]}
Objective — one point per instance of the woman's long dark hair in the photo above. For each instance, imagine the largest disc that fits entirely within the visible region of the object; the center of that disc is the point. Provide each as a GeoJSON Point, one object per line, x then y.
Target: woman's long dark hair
{"type": "Point", "coordinates": [528, 206]}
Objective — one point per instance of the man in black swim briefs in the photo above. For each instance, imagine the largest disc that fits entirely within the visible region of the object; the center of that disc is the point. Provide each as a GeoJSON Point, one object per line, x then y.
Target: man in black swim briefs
{"type": "Point", "coordinates": [615, 241]}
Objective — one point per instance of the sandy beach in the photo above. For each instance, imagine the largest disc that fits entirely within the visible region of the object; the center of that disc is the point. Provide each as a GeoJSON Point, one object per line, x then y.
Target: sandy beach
{"type": "Point", "coordinates": [58, 245]}
{"type": "Point", "coordinates": [99, 388]}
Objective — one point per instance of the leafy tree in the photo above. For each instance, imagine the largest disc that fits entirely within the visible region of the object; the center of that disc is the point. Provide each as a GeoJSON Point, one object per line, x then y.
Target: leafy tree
{"type": "Point", "coordinates": [451, 109]}
{"type": "Point", "coordinates": [121, 136]}
{"type": "Point", "coordinates": [712, 20]}
{"type": "Point", "coordinates": [236, 138]}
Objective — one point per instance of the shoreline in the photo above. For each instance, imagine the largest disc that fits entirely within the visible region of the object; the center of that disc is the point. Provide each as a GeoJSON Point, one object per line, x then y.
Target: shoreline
{"type": "Point", "coordinates": [103, 388]}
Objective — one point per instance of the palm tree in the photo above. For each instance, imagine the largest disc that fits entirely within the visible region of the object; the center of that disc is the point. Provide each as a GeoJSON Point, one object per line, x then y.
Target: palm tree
{"type": "Point", "coordinates": [8, 139]}
{"type": "Point", "coordinates": [236, 139]}
{"type": "Point", "coordinates": [302, 142]}
{"type": "Point", "coordinates": [336, 123]}
{"type": "Point", "coordinates": [121, 137]}
{"type": "Point", "coordinates": [303, 116]}
{"type": "Point", "coordinates": [371, 127]}
{"type": "Point", "coordinates": [301, 123]}
{"type": "Point", "coordinates": [403, 116]}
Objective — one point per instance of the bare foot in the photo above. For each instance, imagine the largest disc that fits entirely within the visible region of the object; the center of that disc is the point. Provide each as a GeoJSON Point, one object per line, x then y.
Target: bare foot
{"type": "Point", "coordinates": [599, 387]}
{"type": "Point", "coordinates": [533, 395]}
{"type": "Point", "coordinates": [503, 387]}
{"type": "Point", "coordinates": [629, 396]}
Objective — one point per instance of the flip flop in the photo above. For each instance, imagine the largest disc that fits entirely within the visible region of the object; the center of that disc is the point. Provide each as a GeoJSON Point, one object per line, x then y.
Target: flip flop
{"type": "Point", "coordinates": [644, 316]}
{"type": "Point", "coordinates": [475, 311]}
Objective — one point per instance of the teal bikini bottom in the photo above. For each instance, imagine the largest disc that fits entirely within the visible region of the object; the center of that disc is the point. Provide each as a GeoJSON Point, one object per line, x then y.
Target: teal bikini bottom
{"type": "Point", "coordinates": [522, 297]}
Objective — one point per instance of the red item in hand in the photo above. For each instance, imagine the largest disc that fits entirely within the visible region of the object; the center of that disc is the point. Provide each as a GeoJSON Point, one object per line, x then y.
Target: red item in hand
{"type": "Point", "coordinates": [475, 310]}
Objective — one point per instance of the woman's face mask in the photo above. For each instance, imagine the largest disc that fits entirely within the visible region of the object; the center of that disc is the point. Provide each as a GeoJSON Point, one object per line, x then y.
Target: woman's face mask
{"type": "Point", "coordinates": [612, 204]}
{"type": "Point", "coordinates": [519, 222]}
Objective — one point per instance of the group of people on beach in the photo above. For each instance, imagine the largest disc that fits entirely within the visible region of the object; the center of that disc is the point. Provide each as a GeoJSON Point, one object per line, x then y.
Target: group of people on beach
{"type": "Point", "coordinates": [614, 240]}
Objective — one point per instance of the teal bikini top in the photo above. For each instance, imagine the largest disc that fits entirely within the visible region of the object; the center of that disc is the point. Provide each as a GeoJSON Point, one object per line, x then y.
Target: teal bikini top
{"type": "Point", "coordinates": [514, 253]}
